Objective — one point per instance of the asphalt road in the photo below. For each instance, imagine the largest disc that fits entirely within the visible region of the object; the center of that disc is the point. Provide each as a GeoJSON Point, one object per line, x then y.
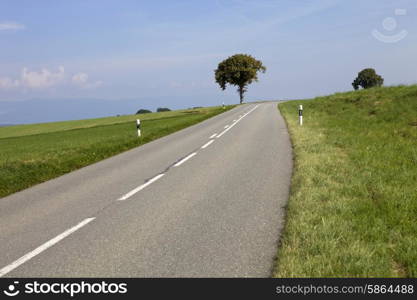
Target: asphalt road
{"type": "Point", "coordinates": [190, 204]}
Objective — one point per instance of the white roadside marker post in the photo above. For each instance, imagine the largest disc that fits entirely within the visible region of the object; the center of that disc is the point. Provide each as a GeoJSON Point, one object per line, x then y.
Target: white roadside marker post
{"type": "Point", "coordinates": [223, 105]}
{"type": "Point", "coordinates": [138, 127]}
{"type": "Point", "coordinates": [300, 115]}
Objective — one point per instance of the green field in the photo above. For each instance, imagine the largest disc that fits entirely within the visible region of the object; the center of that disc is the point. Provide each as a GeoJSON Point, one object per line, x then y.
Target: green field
{"type": "Point", "coordinates": [31, 129]}
{"type": "Point", "coordinates": [352, 211]}
{"type": "Point", "coordinates": [31, 154]}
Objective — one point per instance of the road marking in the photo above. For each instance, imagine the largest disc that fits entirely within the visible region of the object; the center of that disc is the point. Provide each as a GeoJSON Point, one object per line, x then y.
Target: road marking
{"type": "Point", "coordinates": [207, 144]}
{"type": "Point", "coordinates": [226, 126]}
{"type": "Point", "coordinates": [237, 121]}
{"type": "Point", "coordinates": [43, 247]}
{"type": "Point", "coordinates": [139, 188]}
{"type": "Point", "coordinates": [213, 136]}
{"type": "Point", "coordinates": [184, 159]}
{"type": "Point", "coordinates": [234, 120]}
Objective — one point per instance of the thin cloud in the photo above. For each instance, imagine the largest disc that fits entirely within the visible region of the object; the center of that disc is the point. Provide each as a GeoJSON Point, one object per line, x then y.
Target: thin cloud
{"type": "Point", "coordinates": [7, 83]}
{"type": "Point", "coordinates": [11, 26]}
{"type": "Point", "coordinates": [81, 80]}
{"type": "Point", "coordinates": [43, 79]}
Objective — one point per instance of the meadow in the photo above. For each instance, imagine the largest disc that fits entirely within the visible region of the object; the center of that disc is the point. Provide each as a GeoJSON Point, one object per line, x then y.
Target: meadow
{"type": "Point", "coordinates": [31, 154]}
{"type": "Point", "coordinates": [353, 206]}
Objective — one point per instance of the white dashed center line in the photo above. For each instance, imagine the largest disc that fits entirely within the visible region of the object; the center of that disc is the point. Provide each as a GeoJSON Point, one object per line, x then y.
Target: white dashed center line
{"type": "Point", "coordinates": [207, 144]}
{"type": "Point", "coordinates": [179, 163]}
{"type": "Point", "coordinates": [184, 159]}
{"type": "Point", "coordinates": [237, 121]}
{"type": "Point", "coordinates": [139, 188]}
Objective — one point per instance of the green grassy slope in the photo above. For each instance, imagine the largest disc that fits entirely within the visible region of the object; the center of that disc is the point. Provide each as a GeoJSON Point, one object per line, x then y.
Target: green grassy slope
{"type": "Point", "coordinates": [353, 204]}
{"type": "Point", "coordinates": [30, 129]}
{"type": "Point", "coordinates": [31, 154]}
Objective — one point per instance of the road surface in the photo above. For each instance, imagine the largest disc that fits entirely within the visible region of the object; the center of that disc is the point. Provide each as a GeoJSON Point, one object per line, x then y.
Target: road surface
{"type": "Point", "coordinates": [207, 201]}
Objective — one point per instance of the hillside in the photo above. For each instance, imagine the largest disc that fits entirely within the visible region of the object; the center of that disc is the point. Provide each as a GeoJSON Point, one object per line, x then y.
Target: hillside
{"type": "Point", "coordinates": [353, 204]}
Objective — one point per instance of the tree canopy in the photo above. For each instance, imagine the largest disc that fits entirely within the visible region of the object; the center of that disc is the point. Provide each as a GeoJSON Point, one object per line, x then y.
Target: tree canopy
{"type": "Point", "coordinates": [239, 70]}
{"type": "Point", "coordinates": [367, 78]}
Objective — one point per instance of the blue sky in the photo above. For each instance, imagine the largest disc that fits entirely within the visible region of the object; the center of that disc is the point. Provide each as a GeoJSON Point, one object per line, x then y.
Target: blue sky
{"type": "Point", "coordinates": [111, 57]}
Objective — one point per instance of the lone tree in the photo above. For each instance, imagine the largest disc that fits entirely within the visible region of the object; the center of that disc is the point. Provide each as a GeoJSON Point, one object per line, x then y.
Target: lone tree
{"type": "Point", "coordinates": [367, 78]}
{"type": "Point", "coordinates": [239, 70]}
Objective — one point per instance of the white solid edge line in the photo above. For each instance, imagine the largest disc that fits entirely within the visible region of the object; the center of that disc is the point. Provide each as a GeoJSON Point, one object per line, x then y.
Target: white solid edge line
{"type": "Point", "coordinates": [213, 136]}
{"type": "Point", "coordinates": [141, 187]}
{"type": "Point", "coordinates": [207, 144]}
{"type": "Point", "coordinates": [42, 248]}
{"type": "Point", "coordinates": [231, 126]}
{"type": "Point", "coordinates": [184, 159]}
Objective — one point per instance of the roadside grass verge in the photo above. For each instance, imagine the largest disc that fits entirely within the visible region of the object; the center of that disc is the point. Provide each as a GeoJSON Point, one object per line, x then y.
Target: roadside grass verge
{"type": "Point", "coordinates": [352, 210]}
{"type": "Point", "coordinates": [28, 159]}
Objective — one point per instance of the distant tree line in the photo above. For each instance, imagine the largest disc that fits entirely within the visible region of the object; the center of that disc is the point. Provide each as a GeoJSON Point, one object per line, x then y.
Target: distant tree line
{"type": "Point", "coordinates": [162, 109]}
{"type": "Point", "coordinates": [147, 111]}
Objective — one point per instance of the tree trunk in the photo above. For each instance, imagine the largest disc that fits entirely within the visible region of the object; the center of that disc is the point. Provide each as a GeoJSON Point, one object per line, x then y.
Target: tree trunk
{"type": "Point", "coordinates": [241, 91]}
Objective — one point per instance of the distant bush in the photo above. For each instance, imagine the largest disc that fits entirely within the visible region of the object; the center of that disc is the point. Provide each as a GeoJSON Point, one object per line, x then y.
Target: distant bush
{"type": "Point", "coordinates": [367, 78]}
{"type": "Point", "coordinates": [143, 111]}
{"type": "Point", "coordinates": [161, 109]}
